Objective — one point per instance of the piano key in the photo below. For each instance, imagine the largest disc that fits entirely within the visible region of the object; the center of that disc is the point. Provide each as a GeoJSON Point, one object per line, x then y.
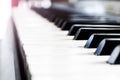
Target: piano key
{"type": "Point", "coordinates": [60, 23]}
{"type": "Point", "coordinates": [52, 18]}
{"type": "Point", "coordinates": [115, 56]}
{"type": "Point", "coordinates": [95, 39]}
{"type": "Point", "coordinates": [107, 45]}
{"type": "Point", "coordinates": [73, 16]}
{"type": "Point", "coordinates": [68, 24]}
{"type": "Point", "coordinates": [75, 28]}
{"type": "Point", "coordinates": [47, 59]}
{"type": "Point", "coordinates": [85, 33]}
{"type": "Point", "coordinates": [56, 20]}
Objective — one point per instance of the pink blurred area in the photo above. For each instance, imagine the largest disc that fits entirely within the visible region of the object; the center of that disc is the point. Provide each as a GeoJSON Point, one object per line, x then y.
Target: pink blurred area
{"type": "Point", "coordinates": [15, 3]}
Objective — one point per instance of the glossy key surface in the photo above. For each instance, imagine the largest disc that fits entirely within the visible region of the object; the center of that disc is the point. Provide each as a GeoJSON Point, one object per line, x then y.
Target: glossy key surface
{"type": "Point", "coordinates": [115, 56]}
{"type": "Point", "coordinates": [85, 33]}
{"type": "Point", "coordinates": [75, 28]}
{"type": "Point", "coordinates": [107, 45]}
{"type": "Point", "coordinates": [95, 39]}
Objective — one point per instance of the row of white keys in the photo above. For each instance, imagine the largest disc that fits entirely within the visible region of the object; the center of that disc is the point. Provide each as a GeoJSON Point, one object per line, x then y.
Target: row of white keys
{"type": "Point", "coordinates": [52, 55]}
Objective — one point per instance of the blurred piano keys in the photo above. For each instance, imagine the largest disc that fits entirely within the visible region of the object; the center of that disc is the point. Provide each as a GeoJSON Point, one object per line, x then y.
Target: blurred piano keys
{"type": "Point", "coordinates": [53, 55]}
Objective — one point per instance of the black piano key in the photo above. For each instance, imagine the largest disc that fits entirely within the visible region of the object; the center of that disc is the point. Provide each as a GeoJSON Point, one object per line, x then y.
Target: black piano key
{"type": "Point", "coordinates": [95, 39]}
{"type": "Point", "coordinates": [115, 56]}
{"type": "Point", "coordinates": [75, 28]}
{"type": "Point", "coordinates": [85, 33]}
{"type": "Point", "coordinates": [68, 24]}
{"type": "Point", "coordinates": [57, 20]}
{"type": "Point", "coordinates": [52, 18]}
{"type": "Point", "coordinates": [59, 24]}
{"type": "Point", "coordinates": [61, 20]}
{"type": "Point", "coordinates": [71, 17]}
{"type": "Point", "coordinates": [107, 45]}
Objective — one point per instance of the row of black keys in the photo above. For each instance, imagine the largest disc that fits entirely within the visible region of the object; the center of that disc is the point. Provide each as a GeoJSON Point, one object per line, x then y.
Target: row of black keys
{"type": "Point", "coordinates": [101, 34]}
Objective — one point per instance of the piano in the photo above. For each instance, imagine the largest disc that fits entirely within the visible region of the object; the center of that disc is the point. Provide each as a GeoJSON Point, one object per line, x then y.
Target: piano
{"type": "Point", "coordinates": [39, 45]}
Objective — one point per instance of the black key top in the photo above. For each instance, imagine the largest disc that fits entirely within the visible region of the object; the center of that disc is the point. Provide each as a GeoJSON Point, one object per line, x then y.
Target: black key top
{"type": "Point", "coordinates": [115, 56]}
{"type": "Point", "coordinates": [75, 28]}
{"type": "Point", "coordinates": [57, 20]}
{"type": "Point", "coordinates": [72, 17]}
{"type": "Point", "coordinates": [95, 39]}
{"type": "Point", "coordinates": [68, 24]}
{"type": "Point", "coordinates": [85, 33]}
{"type": "Point", "coordinates": [107, 45]}
{"type": "Point", "coordinates": [52, 18]}
{"type": "Point", "coordinates": [60, 23]}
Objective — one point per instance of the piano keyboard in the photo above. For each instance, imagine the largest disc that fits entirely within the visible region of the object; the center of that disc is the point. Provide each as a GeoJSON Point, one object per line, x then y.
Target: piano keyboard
{"type": "Point", "coordinates": [53, 55]}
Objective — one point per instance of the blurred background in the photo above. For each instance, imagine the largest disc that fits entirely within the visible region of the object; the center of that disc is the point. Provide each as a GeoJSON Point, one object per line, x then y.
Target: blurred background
{"type": "Point", "coordinates": [90, 6]}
